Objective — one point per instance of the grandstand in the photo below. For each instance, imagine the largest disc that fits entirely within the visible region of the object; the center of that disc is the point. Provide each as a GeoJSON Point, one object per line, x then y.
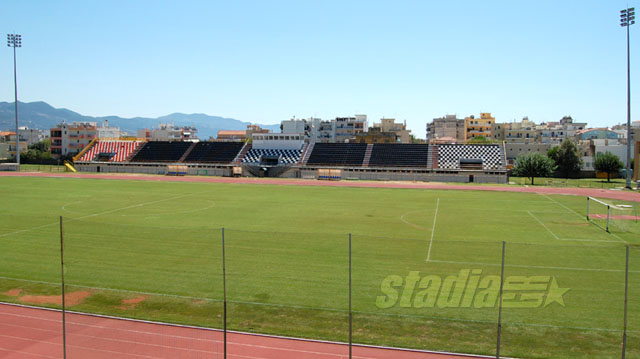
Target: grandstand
{"type": "Point", "coordinates": [109, 151]}
{"type": "Point", "coordinates": [486, 157]}
{"type": "Point", "coordinates": [161, 151]}
{"type": "Point", "coordinates": [285, 155]}
{"type": "Point", "coordinates": [399, 155]}
{"type": "Point", "coordinates": [338, 154]}
{"type": "Point", "coordinates": [214, 152]}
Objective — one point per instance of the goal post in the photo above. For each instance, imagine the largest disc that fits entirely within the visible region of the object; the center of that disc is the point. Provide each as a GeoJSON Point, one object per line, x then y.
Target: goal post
{"type": "Point", "coordinates": [609, 216]}
{"type": "Point", "coordinates": [598, 213]}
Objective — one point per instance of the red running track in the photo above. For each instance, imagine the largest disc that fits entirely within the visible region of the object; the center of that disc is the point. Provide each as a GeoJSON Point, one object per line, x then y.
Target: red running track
{"type": "Point", "coordinates": [623, 195]}
{"type": "Point", "coordinates": [33, 333]}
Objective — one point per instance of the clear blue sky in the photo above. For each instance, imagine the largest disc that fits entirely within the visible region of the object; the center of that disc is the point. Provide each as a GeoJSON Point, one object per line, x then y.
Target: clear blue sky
{"type": "Point", "coordinates": [266, 61]}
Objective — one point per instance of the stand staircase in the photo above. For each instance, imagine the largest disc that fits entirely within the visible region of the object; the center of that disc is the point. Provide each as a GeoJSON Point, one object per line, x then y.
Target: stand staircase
{"type": "Point", "coordinates": [305, 156]}
{"type": "Point", "coordinates": [367, 155]}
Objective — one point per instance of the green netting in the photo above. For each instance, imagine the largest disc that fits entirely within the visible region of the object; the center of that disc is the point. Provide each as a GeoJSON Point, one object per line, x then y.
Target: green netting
{"type": "Point", "coordinates": [292, 284]}
{"type": "Point", "coordinates": [563, 299]}
{"type": "Point", "coordinates": [567, 299]}
{"type": "Point", "coordinates": [448, 303]}
{"type": "Point", "coordinates": [633, 316]}
{"type": "Point", "coordinates": [150, 273]}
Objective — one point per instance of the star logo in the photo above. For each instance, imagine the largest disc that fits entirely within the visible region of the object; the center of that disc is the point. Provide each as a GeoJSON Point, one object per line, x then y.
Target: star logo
{"type": "Point", "coordinates": [555, 293]}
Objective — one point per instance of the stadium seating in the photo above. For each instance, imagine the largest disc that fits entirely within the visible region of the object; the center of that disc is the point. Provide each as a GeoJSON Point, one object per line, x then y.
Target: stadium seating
{"type": "Point", "coordinates": [399, 155]}
{"type": "Point", "coordinates": [161, 151]}
{"type": "Point", "coordinates": [450, 156]}
{"type": "Point", "coordinates": [338, 154]}
{"type": "Point", "coordinates": [214, 152]}
{"type": "Point", "coordinates": [286, 157]}
{"type": "Point", "coordinates": [111, 151]}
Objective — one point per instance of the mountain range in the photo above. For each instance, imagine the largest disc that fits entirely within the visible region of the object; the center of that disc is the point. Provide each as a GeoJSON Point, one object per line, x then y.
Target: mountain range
{"type": "Point", "coordinates": [41, 115]}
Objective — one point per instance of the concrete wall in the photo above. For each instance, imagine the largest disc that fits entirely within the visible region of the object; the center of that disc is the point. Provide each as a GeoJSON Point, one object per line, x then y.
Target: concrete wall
{"type": "Point", "coordinates": [221, 171]}
{"type": "Point", "coordinates": [372, 174]}
{"type": "Point", "coordinates": [410, 175]}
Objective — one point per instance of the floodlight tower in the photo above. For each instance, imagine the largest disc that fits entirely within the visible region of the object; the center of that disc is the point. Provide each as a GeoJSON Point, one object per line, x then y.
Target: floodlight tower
{"type": "Point", "coordinates": [627, 18]}
{"type": "Point", "coordinates": [15, 40]}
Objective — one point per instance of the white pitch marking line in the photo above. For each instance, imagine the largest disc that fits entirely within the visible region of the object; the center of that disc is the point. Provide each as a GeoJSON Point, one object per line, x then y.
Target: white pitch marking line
{"type": "Point", "coordinates": [537, 267]}
{"type": "Point", "coordinates": [433, 229]}
{"type": "Point", "coordinates": [586, 240]}
{"type": "Point", "coordinates": [565, 239]}
{"type": "Point", "coordinates": [543, 225]}
{"type": "Point", "coordinates": [96, 214]}
{"type": "Point", "coordinates": [411, 224]}
{"type": "Point", "coordinates": [581, 216]}
{"type": "Point", "coordinates": [563, 206]}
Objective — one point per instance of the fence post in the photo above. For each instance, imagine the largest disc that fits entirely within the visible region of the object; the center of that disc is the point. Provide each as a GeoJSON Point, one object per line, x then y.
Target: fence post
{"type": "Point", "coordinates": [504, 245]}
{"type": "Point", "coordinates": [626, 292]}
{"type": "Point", "coordinates": [350, 314]}
{"type": "Point", "coordinates": [64, 313]}
{"type": "Point", "coordinates": [224, 296]}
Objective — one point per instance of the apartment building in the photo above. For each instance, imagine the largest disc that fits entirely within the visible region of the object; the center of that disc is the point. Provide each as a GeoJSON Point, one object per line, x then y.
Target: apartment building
{"type": "Point", "coordinates": [348, 127]}
{"type": "Point", "coordinates": [446, 129]}
{"type": "Point", "coordinates": [389, 125]}
{"type": "Point", "coordinates": [556, 132]}
{"type": "Point", "coordinates": [105, 131]}
{"type": "Point", "coordinates": [475, 127]}
{"type": "Point", "coordinates": [313, 129]}
{"type": "Point", "coordinates": [520, 132]}
{"type": "Point", "coordinates": [71, 138]}
{"type": "Point", "coordinates": [169, 132]}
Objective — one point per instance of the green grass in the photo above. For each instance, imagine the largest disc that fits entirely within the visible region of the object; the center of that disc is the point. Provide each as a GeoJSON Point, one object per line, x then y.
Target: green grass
{"type": "Point", "coordinates": [287, 260]}
{"type": "Point", "coordinates": [571, 182]}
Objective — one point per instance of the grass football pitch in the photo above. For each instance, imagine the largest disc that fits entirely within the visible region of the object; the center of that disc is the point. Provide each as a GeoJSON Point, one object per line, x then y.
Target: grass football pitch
{"type": "Point", "coordinates": [424, 262]}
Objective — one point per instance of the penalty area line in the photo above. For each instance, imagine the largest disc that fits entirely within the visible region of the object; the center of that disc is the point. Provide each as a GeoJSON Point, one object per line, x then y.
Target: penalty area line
{"type": "Point", "coordinates": [566, 239]}
{"type": "Point", "coordinates": [581, 216]}
{"type": "Point", "coordinates": [543, 225]}
{"type": "Point", "coordinates": [433, 229]}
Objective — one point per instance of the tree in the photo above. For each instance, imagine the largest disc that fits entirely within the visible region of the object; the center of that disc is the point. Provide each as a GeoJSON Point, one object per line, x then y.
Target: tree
{"type": "Point", "coordinates": [533, 165]}
{"type": "Point", "coordinates": [480, 140]}
{"type": "Point", "coordinates": [553, 153]}
{"type": "Point", "coordinates": [42, 146]}
{"type": "Point", "coordinates": [568, 158]}
{"type": "Point", "coordinates": [609, 163]}
{"type": "Point", "coordinates": [37, 153]}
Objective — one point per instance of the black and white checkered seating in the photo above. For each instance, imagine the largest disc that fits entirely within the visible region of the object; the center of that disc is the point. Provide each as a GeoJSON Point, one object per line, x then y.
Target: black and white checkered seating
{"type": "Point", "coordinates": [492, 156]}
{"type": "Point", "coordinates": [287, 157]}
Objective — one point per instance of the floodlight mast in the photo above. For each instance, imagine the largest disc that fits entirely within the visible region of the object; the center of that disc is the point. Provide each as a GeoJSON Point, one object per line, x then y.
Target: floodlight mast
{"type": "Point", "coordinates": [627, 18]}
{"type": "Point", "coordinates": [15, 40]}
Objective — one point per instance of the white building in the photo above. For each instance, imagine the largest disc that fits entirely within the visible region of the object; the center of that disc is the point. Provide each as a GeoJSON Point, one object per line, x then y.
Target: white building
{"type": "Point", "coordinates": [32, 135]}
{"type": "Point", "coordinates": [556, 132]}
{"type": "Point", "coordinates": [603, 145]}
{"type": "Point", "coordinates": [314, 129]}
{"type": "Point", "coordinates": [169, 132]}
{"type": "Point", "coordinates": [277, 141]}
{"type": "Point", "coordinates": [104, 131]}
{"type": "Point", "coordinates": [348, 127]}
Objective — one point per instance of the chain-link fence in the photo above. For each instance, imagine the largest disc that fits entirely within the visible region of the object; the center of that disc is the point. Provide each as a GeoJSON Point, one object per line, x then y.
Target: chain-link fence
{"type": "Point", "coordinates": [564, 300]}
